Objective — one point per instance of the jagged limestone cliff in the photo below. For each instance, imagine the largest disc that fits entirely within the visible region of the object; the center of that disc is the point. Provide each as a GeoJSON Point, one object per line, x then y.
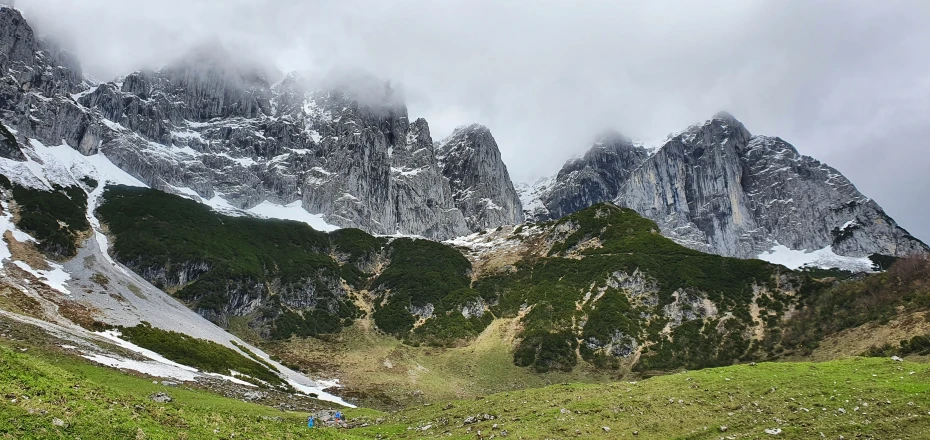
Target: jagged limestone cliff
{"type": "Point", "coordinates": [213, 127]}
{"type": "Point", "coordinates": [718, 188]}
{"type": "Point", "coordinates": [481, 185]}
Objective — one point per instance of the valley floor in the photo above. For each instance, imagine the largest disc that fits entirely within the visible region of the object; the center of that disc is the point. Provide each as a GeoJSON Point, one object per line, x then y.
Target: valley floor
{"type": "Point", "coordinates": [378, 371]}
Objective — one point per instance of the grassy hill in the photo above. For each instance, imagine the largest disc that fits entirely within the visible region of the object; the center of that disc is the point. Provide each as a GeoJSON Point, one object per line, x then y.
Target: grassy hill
{"type": "Point", "coordinates": [48, 397]}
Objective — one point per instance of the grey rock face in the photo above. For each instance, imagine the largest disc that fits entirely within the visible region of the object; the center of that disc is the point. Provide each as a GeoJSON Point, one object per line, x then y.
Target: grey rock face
{"type": "Point", "coordinates": [717, 188]}
{"type": "Point", "coordinates": [481, 185]}
{"type": "Point", "coordinates": [596, 177]}
{"type": "Point", "coordinates": [212, 126]}
{"type": "Point", "coordinates": [36, 80]}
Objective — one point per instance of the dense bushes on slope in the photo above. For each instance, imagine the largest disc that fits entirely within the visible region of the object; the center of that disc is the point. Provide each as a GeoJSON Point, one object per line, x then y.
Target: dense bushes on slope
{"type": "Point", "coordinates": [55, 218]}
{"type": "Point", "coordinates": [218, 262]}
{"type": "Point", "coordinates": [830, 308]}
{"type": "Point", "coordinates": [605, 240]}
{"type": "Point", "coordinates": [156, 230]}
{"type": "Point", "coordinates": [198, 353]}
{"type": "Point", "coordinates": [430, 277]}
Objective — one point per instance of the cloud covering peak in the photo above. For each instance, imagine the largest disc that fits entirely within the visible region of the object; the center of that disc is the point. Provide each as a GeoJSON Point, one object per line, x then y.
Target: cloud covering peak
{"type": "Point", "coordinates": [845, 82]}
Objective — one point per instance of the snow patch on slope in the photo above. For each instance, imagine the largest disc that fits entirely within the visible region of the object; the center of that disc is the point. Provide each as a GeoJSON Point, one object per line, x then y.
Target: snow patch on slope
{"type": "Point", "coordinates": [292, 211]}
{"type": "Point", "coordinates": [821, 258]}
{"type": "Point", "coordinates": [530, 194]}
{"type": "Point", "coordinates": [55, 277]}
{"type": "Point", "coordinates": [152, 368]}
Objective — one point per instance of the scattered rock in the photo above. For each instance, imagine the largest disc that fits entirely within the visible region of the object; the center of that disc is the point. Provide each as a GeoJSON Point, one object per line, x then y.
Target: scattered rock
{"type": "Point", "coordinates": [565, 411]}
{"type": "Point", "coordinates": [605, 428]}
{"type": "Point", "coordinates": [160, 398]}
{"type": "Point", "coordinates": [773, 431]}
{"type": "Point", "coordinates": [58, 422]}
{"type": "Point", "coordinates": [896, 359]}
{"type": "Point", "coordinates": [169, 383]}
{"type": "Point", "coordinates": [723, 429]}
{"type": "Point", "coordinates": [254, 395]}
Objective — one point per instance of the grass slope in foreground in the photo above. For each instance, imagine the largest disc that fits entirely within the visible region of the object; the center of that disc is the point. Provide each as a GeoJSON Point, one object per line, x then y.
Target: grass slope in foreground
{"type": "Point", "coordinates": [93, 402]}
{"type": "Point", "coordinates": [855, 398]}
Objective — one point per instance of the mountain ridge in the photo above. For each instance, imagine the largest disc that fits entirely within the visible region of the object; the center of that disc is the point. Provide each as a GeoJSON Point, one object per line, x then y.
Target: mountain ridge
{"type": "Point", "coordinates": [718, 188]}
{"type": "Point", "coordinates": [207, 127]}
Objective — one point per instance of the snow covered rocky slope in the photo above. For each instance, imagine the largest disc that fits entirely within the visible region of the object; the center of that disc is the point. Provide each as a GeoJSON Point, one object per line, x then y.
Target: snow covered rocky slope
{"type": "Point", "coordinates": [90, 286]}
{"type": "Point", "coordinates": [717, 188]}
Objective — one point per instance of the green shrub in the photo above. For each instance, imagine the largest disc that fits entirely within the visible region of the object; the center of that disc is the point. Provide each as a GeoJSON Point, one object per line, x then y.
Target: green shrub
{"type": "Point", "coordinates": [198, 353]}
{"type": "Point", "coordinates": [828, 308]}
{"type": "Point", "coordinates": [447, 328]}
{"type": "Point", "coordinates": [546, 351]}
{"type": "Point", "coordinates": [55, 218]}
{"type": "Point", "coordinates": [425, 272]}
{"type": "Point", "coordinates": [356, 243]}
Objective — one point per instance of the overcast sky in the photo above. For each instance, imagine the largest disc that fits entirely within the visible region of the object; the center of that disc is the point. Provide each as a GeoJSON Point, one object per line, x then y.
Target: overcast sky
{"type": "Point", "coordinates": [847, 82]}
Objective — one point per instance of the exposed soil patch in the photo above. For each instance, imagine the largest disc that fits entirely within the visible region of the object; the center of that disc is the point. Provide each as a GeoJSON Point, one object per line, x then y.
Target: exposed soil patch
{"type": "Point", "coordinates": [25, 252]}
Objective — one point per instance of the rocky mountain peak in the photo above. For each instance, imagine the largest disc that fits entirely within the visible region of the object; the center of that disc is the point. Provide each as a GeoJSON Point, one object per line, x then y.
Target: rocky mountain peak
{"type": "Point", "coordinates": [724, 115]}
{"type": "Point", "coordinates": [17, 40]}
{"type": "Point", "coordinates": [481, 187]}
{"type": "Point", "coordinates": [464, 137]}
{"type": "Point", "coordinates": [592, 178]}
{"type": "Point", "coordinates": [212, 57]}
{"type": "Point", "coordinates": [612, 137]}
{"type": "Point", "coordinates": [36, 64]}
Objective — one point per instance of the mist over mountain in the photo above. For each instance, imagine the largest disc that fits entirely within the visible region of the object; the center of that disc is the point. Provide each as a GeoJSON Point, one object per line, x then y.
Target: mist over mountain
{"type": "Point", "coordinates": [546, 82]}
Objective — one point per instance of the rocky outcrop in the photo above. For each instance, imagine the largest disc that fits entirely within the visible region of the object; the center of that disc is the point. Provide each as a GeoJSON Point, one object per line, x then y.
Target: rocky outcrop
{"type": "Point", "coordinates": [9, 146]}
{"type": "Point", "coordinates": [481, 186]}
{"type": "Point", "coordinates": [718, 188]}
